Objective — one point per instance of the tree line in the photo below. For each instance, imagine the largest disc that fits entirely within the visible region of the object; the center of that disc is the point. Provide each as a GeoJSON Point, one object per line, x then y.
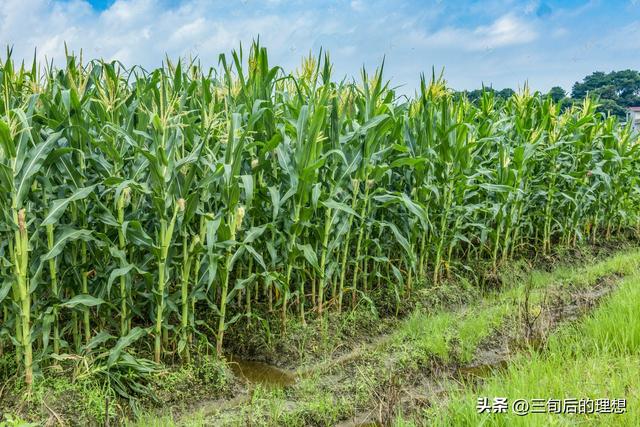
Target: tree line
{"type": "Point", "coordinates": [615, 91]}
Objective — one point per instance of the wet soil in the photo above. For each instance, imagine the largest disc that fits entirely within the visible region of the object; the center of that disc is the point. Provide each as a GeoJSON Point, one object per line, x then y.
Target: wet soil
{"type": "Point", "coordinates": [255, 372]}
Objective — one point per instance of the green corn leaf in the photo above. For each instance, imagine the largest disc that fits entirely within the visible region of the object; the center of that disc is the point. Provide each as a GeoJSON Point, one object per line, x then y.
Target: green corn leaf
{"type": "Point", "coordinates": [332, 204]}
{"type": "Point", "coordinates": [83, 300]}
{"type": "Point", "coordinates": [6, 140]}
{"type": "Point", "coordinates": [58, 206]}
{"type": "Point", "coordinates": [36, 157]}
{"type": "Point", "coordinates": [134, 335]}
{"type": "Point", "coordinates": [65, 236]}
{"type": "Point", "coordinates": [4, 289]}
{"type": "Point", "coordinates": [309, 255]}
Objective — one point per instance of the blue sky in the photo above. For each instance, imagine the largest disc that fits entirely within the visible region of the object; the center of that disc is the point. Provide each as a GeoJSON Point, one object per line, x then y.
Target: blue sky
{"type": "Point", "coordinates": [498, 43]}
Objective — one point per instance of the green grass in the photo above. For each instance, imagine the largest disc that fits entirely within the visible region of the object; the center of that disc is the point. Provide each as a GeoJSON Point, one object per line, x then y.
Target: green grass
{"type": "Point", "coordinates": [597, 358]}
{"type": "Point", "coordinates": [83, 402]}
{"type": "Point", "coordinates": [445, 334]}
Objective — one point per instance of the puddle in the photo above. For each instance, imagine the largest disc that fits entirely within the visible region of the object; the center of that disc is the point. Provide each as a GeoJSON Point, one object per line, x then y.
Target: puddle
{"type": "Point", "coordinates": [255, 372]}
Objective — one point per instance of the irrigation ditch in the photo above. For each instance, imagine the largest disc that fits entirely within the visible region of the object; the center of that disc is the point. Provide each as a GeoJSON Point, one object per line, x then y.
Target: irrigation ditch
{"type": "Point", "coordinates": [538, 312]}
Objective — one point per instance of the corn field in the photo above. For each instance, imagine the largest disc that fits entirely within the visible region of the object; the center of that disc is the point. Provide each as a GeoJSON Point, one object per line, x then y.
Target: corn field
{"type": "Point", "coordinates": [162, 207]}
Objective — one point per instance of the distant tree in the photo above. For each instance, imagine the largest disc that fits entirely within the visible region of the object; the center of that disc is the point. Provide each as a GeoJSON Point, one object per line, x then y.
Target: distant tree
{"type": "Point", "coordinates": [616, 90]}
{"type": "Point", "coordinates": [557, 94]}
{"type": "Point", "coordinates": [612, 107]}
{"type": "Point", "coordinates": [506, 93]}
{"type": "Point", "coordinates": [476, 94]}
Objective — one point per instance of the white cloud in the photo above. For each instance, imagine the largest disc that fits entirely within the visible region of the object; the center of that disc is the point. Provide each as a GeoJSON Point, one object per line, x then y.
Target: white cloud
{"type": "Point", "coordinates": [357, 5]}
{"type": "Point", "coordinates": [559, 32]}
{"type": "Point", "coordinates": [624, 38]}
{"type": "Point", "coordinates": [531, 7]}
{"type": "Point", "coordinates": [507, 30]}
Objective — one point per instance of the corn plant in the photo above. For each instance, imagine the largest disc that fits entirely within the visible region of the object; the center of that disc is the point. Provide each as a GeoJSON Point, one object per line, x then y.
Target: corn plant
{"type": "Point", "coordinates": [146, 211]}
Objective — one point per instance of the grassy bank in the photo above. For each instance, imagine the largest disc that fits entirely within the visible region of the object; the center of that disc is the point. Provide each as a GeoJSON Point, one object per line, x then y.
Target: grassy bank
{"type": "Point", "coordinates": [405, 375]}
{"type": "Point", "coordinates": [597, 358]}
